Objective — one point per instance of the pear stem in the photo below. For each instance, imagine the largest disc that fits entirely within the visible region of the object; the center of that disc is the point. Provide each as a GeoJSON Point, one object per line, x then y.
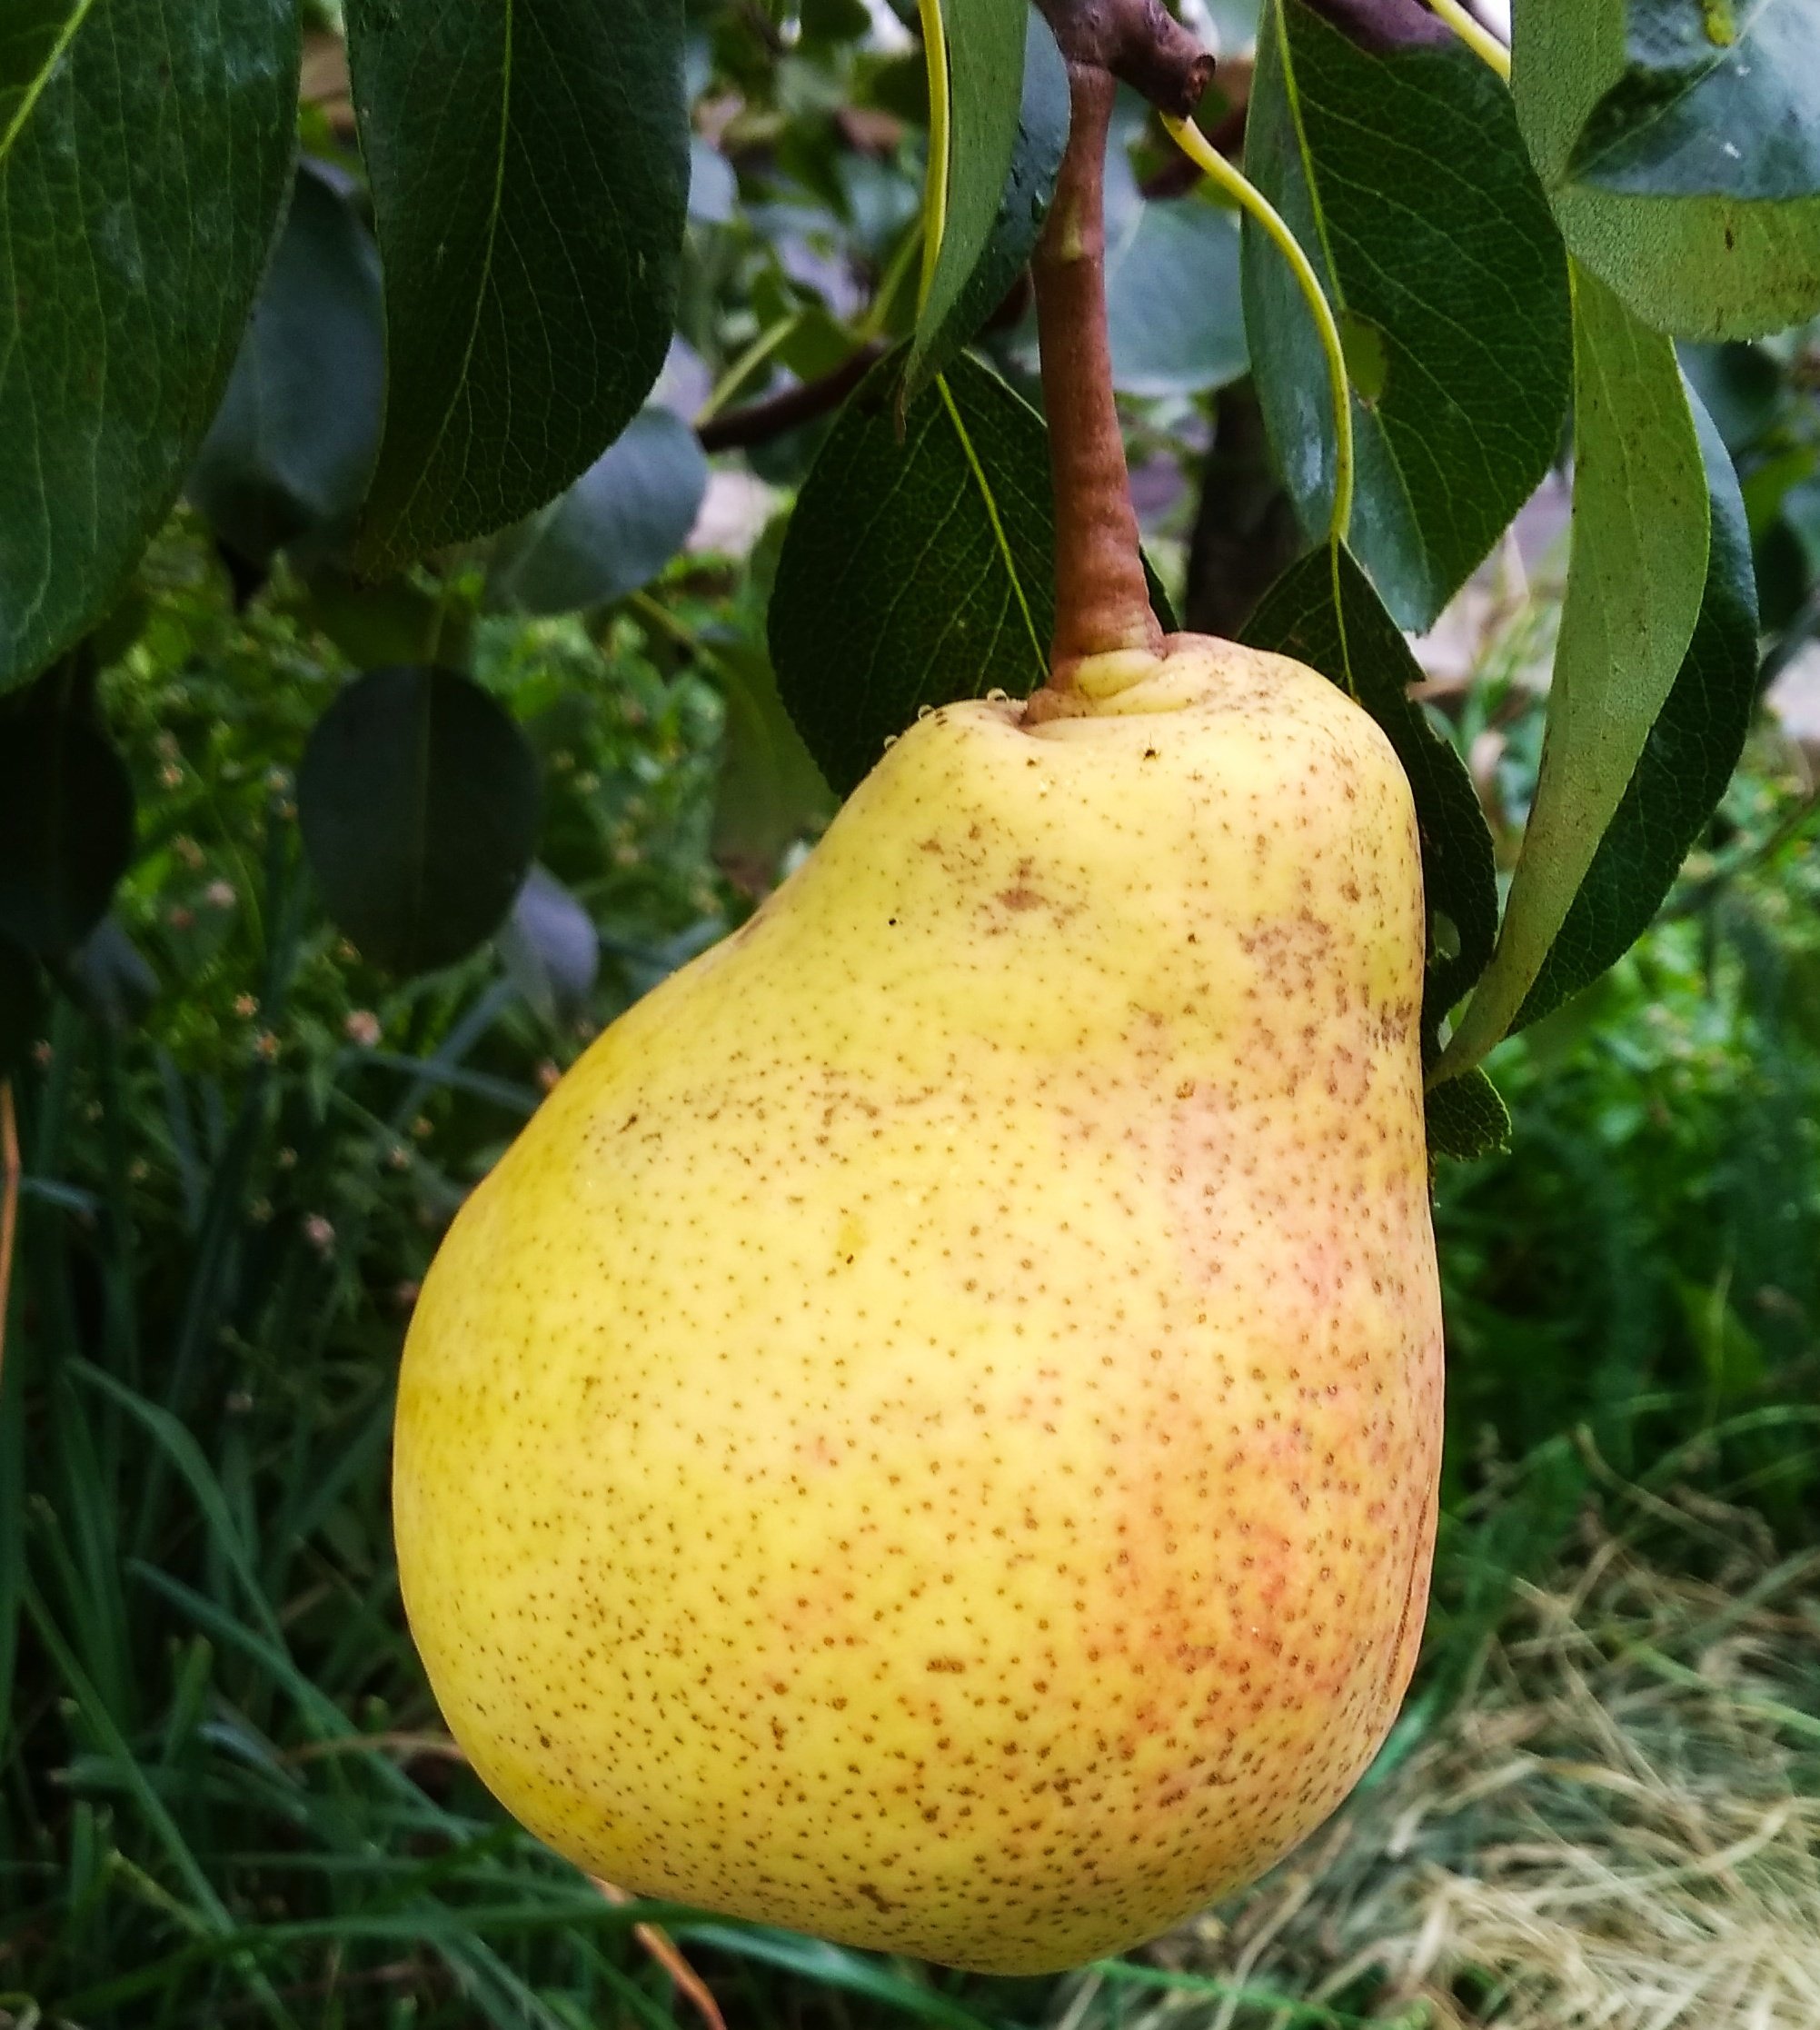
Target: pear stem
{"type": "Point", "coordinates": [1102, 603]}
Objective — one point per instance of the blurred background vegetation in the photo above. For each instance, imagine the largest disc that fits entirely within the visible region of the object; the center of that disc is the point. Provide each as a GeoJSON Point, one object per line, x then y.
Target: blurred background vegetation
{"type": "Point", "coordinates": [225, 1793]}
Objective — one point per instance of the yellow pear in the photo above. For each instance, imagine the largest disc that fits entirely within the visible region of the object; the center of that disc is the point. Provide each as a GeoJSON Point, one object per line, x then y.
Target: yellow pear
{"type": "Point", "coordinates": [930, 1437]}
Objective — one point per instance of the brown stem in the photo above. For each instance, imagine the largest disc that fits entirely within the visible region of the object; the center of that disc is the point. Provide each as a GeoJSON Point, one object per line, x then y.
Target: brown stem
{"type": "Point", "coordinates": [1140, 41]}
{"type": "Point", "coordinates": [1102, 600]}
{"type": "Point", "coordinates": [661, 1947]}
{"type": "Point", "coordinates": [760, 422]}
{"type": "Point", "coordinates": [1178, 172]}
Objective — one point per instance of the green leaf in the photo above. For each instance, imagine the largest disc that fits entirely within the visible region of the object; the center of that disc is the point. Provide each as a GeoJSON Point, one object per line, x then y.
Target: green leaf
{"type": "Point", "coordinates": [1353, 641]}
{"type": "Point", "coordinates": [22, 1007]}
{"type": "Point", "coordinates": [1004, 149]}
{"type": "Point", "coordinates": [145, 149]}
{"type": "Point", "coordinates": [65, 814]}
{"type": "Point", "coordinates": [530, 174]}
{"type": "Point", "coordinates": [1161, 605]}
{"type": "Point", "coordinates": [292, 443]}
{"type": "Point", "coordinates": [914, 573]}
{"type": "Point", "coordinates": [1743, 388]}
{"type": "Point", "coordinates": [1400, 168]}
{"type": "Point", "coordinates": [1685, 763]}
{"type": "Point", "coordinates": [614, 529]}
{"type": "Point", "coordinates": [770, 792]}
{"type": "Point", "coordinates": [917, 569]}
{"type": "Point", "coordinates": [1467, 1119]}
{"type": "Point", "coordinates": [1635, 580]}
{"type": "Point", "coordinates": [1679, 142]}
{"type": "Point", "coordinates": [418, 800]}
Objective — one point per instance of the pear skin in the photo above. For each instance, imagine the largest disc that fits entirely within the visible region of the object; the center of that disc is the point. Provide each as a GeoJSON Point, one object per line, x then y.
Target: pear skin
{"type": "Point", "coordinates": [930, 1437]}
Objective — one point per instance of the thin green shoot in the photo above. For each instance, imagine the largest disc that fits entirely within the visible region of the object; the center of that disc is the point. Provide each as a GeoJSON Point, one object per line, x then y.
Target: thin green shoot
{"type": "Point", "coordinates": [1206, 157]}
{"type": "Point", "coordinates": [1476, 35]}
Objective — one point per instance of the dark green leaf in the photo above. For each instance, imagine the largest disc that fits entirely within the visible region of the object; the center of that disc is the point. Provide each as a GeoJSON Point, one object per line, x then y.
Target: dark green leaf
{"type": "Point", "coordinates": [530, 174]}
{"type": "Point", "coordinates": [550, 947]}
{"type": "Point", "coordinates": [1683, 166]}
{"type": "Point", "coordinates": [1355, 643]}
{"type": "Point", "coordinates": [292, 443]}
{"type": "Point", "coordinates": [828, 21]}
{"type": "Point", "coordinates": [418, 799]}
{"type": "Point", "coordinates": [1634, 583]}
{"type": "Point", "coordinates": [22, 1004]}
{"type": "Point", "coordinates": [1400, 168]}
{"type": "Point", "coordinates": [1161, 605]}
{"type": "Point", "coordinates": [66, 815]}
{"type": "Point", "coordinates": [914, 573]}
{"type": "Point", "coordinates": [918, 568]}
{"type": "Point", "coordinates": [1743, 388]}
{"type": "Point", "coordinates": [771, 790]}
{"type": "Point", "coordinates": [1685, 765]}
{"type": "Point", "coordinates": [144, 154]}
{"type": "Point", "coordinates": [1466, 1119]}
{"type": "Point", "coordinates": [998, 195]}
{"type": "Point", "coordinates": [1174, 312]}
{"type": "Point", "coordinates": [614, 529]}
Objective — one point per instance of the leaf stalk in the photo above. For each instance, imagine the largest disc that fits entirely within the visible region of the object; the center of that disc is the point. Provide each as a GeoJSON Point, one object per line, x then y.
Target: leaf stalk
{"type": "Point", "coordinates": [1474, 33]}
{"type": "Point", "coordinates": [1201, 152]}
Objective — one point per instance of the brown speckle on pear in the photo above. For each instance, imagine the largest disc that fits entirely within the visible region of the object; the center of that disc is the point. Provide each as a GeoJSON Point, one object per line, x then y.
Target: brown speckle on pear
{"type": "Point", "coordinates": [930, 1436]}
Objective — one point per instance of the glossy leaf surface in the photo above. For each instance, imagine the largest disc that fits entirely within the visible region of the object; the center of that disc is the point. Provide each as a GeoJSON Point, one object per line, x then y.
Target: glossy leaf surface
{"type": "Point", "coordinates": [292, 443]}
{"type": "Point", "coordinates": [1007, 127]}
{"type": "Point", "coordinates": [917, 569]}
{"type": "Point", "coordinates": [1685, 763]}
{"type": "Point", "coordinates": [530, 174]}
{"type": "Point", "coordinates": [1636, 582]}
{"type": "Point", "coordinates": [1394, 155]}
{"type": "Point", "coordinates": [145, 149]}
{"type": "Point", "coordinates": [914, 572]}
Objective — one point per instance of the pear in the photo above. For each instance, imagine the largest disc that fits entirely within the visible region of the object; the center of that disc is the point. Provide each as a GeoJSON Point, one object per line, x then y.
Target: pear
{"type": "Point", "coordinates": [930, 1437]}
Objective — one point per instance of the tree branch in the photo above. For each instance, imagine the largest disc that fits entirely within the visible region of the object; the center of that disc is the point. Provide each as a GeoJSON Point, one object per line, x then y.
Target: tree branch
{"type": "Point", "coordinates": [759, 422]}
{"type": "Point", "coordinates": [1141, 43]}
